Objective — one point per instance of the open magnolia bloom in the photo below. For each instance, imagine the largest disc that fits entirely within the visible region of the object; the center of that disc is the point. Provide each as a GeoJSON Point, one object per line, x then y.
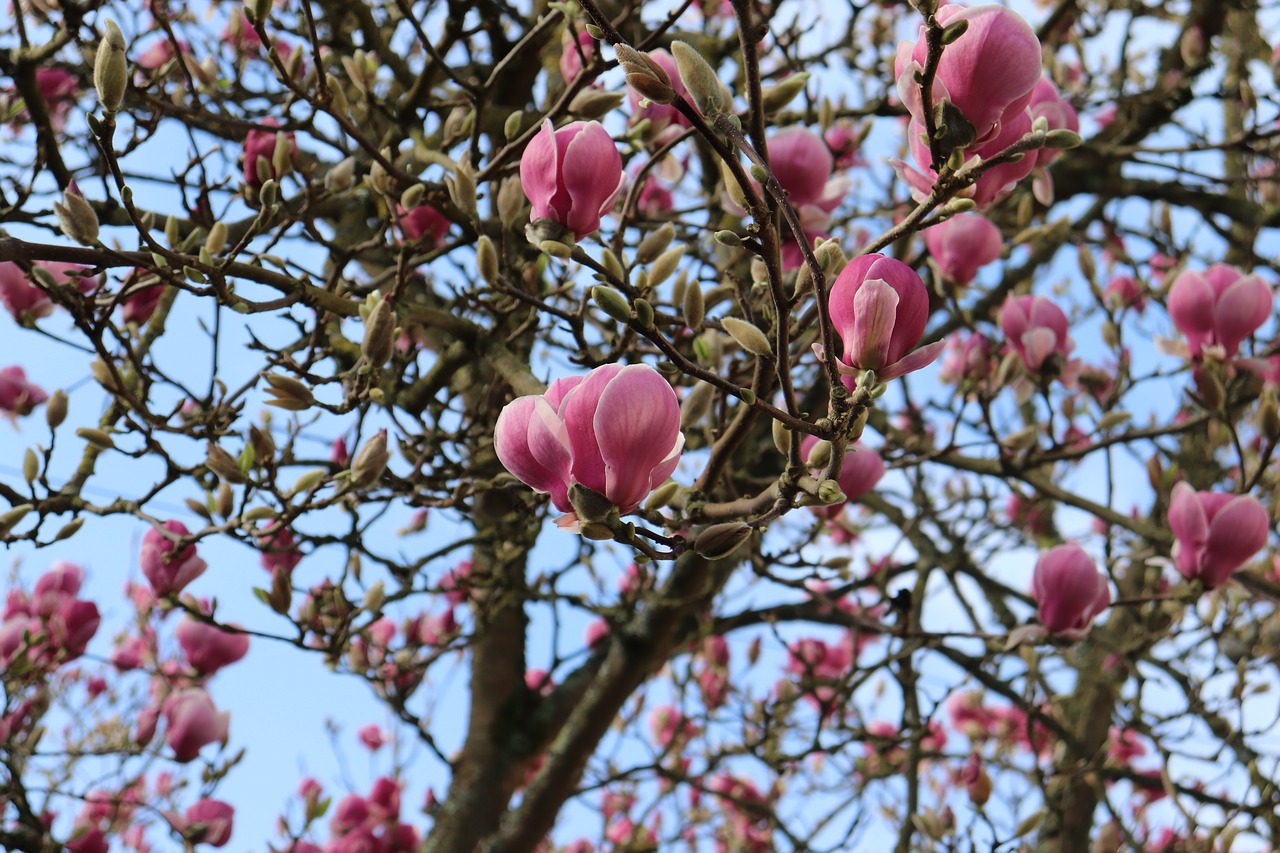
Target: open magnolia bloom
{"type": "Point", "coordinates": [572, 176]}
{"type": "Point", "coordinates": [1215, 532]}
{"type": "Point", "coordinates": [615, 431]}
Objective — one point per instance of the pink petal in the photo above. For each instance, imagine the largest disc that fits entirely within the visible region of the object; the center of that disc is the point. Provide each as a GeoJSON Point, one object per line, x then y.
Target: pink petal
{"type": "Point", "coordinates": [875, 310]}
{"type": "Point", "coordinates": [592, 168]}
{"type": "Point", "coordinates": [637, 424]}
{"type": "Point", "coordinates": [538, 171]}
{"type": "Point", "coordinates": [921, 358]}
{"type": "Point", "coordinates": [1241, 310]}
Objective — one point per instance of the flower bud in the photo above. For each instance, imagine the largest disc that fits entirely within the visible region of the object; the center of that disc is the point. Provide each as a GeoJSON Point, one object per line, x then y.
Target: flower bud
{"type": "Point", "coordinates": [341, 177]}
{"type": "Point", "coordinates": [76, 218]}
{"type": "Point", "coordinates": [487, 260]}
{"type": "Point", "coordinates": [111, 68]}
{"type": "Point", "coordinates": [289, 393]}
{"type": "Point", "coordinates": [379, 334]}
{"type": "Point", "coordinates": [705, 89]}
{"type": "Point", "coordinates": [589, 504]}
{"type": "Point", "coordinates": [774, 98]}
{"type": "Point", "coordinates": [748, 336]}
{"type": "Point", "coordinates": [694, 306]}
{"type": "Point", "coordinates": [223, 464]}
{"type": "Point", "coordinates": [655, 244]}
{"type": "Point", "coordinates": [55, 410]}
{"type": "Point", "coordinates": [370, 462]}
{"type": "Point", "coordinates": [720, 540]}
{"type": "Point", "coordinates": [612, 303]}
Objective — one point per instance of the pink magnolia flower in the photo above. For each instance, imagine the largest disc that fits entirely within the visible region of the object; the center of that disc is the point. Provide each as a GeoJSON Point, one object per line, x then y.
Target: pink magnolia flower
{"type": "Point", "coordinates": [207, 822]}
{"type": "Point", "coordinates": [803, 166]}
{"type": "Point", "coordinates": [1220, 306]}
{"type": "Point", "coordinates": [992, 185]}
{"type": "Point", "coordinates": [879, 307]}
{"type": "Point", "coordinates": [615, 431]}
{"type": "Point", "coordinates": [963, 244]}
{"type": "Point", "coordinates": [988, 73]}
{"type": "Point", "coordinates": [18, 397]}
{"type": "Point", "coordinates": [262, 144]}
{"type": "Point", "coordinates": [1069, 590]}
{"type": "Point", "coordinates": [424, 224]}
{"type": "Point", "coordinates": [280, 552]}
{"type": "Point", "coordinates": [57, 88]}
{"type": "Point", "coordinates": [372, 737]}
{"type": "Point", "coordinates": [572, 176]}
{"type": "Point", "coordinates": [1215, 533]}
{"type": "Point", "coordinates": [1123, 746]}
{"type": "Point", "coordinates": [24, 300]}
{"type": "Point", "coordinates": [1123, 291]}
{"type": "Point", "coordinates": [167, 569]}
{"type": "Point", "coordinates": [574, 53]}
{"type": "Point", "coordinates": [861, 471]}
{"type": "Point", "coordinates": [142, 302]}
{"type": "Point", "coordinates": [968, 358]}
{"type": "Point", "coordinates": [208, 648]}
{"type": "Point", "coordinates": [842, 140]}
{"type": "Point", "coordinates": [193, 723]}
{"type": "Point", "coordinates": [1035, 329]}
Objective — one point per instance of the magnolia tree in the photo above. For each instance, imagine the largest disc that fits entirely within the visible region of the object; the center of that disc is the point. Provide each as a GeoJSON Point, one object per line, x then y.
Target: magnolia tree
{"type": "Point", "coordinates": [724, 426]}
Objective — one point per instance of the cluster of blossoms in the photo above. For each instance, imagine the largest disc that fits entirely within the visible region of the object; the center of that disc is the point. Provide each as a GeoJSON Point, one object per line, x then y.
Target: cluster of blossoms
{"type": "Point", "coordinates": [49, 627]}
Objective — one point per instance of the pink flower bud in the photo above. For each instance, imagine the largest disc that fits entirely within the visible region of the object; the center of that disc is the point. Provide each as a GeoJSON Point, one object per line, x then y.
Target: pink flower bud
{"type": "Point", "coordinates": [842, 141]}
{"type": "Point", "coordinates": [208, 648]}
{"type": "Point", "coordinates": [963, 244]}
{"type": "Point", "coordinates": [879, 307]}
{"type": "Point", "coordinates": [572, 176]}
{"type": "Point", "coordinates": [803, 164]}
{"type": "Point", "coordinates": [989, 72]}
{"type": "Point", "coordinates": [1069, 590]}
{"type": "Point", "coordinates": [424, 224]}
{"type": "Point", "coordinates": [18, 397]}
{"type": "Point", "coordinates": [279, 549]}
{"type": "Point", "coordinates": [616, 431]}
{"type": "Point", "coordinates": [167, 569]}
{"type": "Point", "coordinates": [262, 143]}
{"type": "Point", "coordinates": [1215, 533]}
{"type": "Point", "coordinates": [72, 627]}
{"type": "Point", "coordinates": [1035, 329]}
{"type": "Point", "coordinates": [142, 302]}
{"type": "Point", "coordinates": [1220, 306]}
{"type": "Point", "coordinates": [193, 723]}
{"type": "Point", "coordinates": [1123, 292]}
{"type": "Point", "coordinates": [372, 737]}
{"type": "Point", "coordinates": [208, 822]}
{"type": "Point", "coordinates": [967, 359]}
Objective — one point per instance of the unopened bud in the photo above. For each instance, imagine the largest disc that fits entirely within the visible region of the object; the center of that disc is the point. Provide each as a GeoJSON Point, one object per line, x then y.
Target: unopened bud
{"type": "Point", "coordinates": [69, 529]}
{"type": "Point", "coordinates": [96, 437]}
{"type": "Point", "coordinates": [830, 493]}
{"type": "Point", "coordinates": [216, 240]}
{"type": "Point", "coordinates": [487, 260]}
{"type": "Point", "coordinates": [781, 437]}
{"type": "Point", "coordinates": [370, 462]}
{"type": "Point", "coordinates": [342, 176]}
{"type": "Point", "coordinates": [11, 517]}
{"type": "Point", "coordinates": [1269, 419]}
{"type": "Point", "coordinates": [662, 496]}
{"type": "Point", "coordinates": [55, 410]}
{"type": "Point", "coordinates": [510, 201]}
{"type": "Point", "coordinates": [655, 244]}
{"type": "Point", "coordinates": [289, 393]}
{"type": "Point", "coordinates": [76, 218]}
{"type": "Point", "coordinates": [379, 334]}
{"type": "Point", "coordinates": [720, 540]}
{"type": "Point", "coordinates": [111, 68]}
{"type": "Point", "coordinates": [748, 336]}
{"type": "Point", "coordinates": [819, 454]}
{"type": "Point", "coordinates": [774, 98]}
{"type": "Point", "coordinates": [665, 265]}
{"type": "Point", "coordinates": [695, 310]}
{"type": "Point", "coordinates": [374, 596]}
{"type": "Point", "coordinates": [612, 303]}
{"type": "Point", "coordinates": [1209, 389]}
{"type": "Point", "coordinates": [225, 500]}
{"type": "Point", "coordinates": [223, 464]}
{"type": "Point", "coordinates": [705, 89]}
{"type": "Point", "coordinates": [1062, 139]}
{"type": "Point", "coordinates": [30, 466]}
{"type": "Point", "coordinates": [592, 103]}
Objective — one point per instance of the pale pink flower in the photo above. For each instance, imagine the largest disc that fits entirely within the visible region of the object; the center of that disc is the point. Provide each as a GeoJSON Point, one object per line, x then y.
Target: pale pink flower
{"type": "Point", "coordinates": [993, 184]}
{"type": "Point", "coordinates": [167, 569]}
{"type": "Point", "coordinates": [1220, 306]}
{"type": "Point", "coordinates": [1035, 329]}
{"type": "Point", "coordinates": [573, 53]}
{"type": "Point", "coordinates": [207, 822]}
{"type": "Point", "coordinates": [962, 245]}
{"type": "Point", "coordinates": [193, 723]}
{"type": "Point", "coordinates": [424, 224]}
{"type": "Point", "coordinates": [18, 397]}
{"type": "Point", "coordinates": [207, 647]}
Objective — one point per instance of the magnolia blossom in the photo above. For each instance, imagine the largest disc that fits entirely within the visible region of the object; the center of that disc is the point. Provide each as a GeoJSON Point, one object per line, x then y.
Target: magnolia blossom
{"type": "Point", "coordinates": [879, 307]}
{"type": "Point", "coordinates": [967, 358]}
{"type": "Point", "coordinates": [1218, 307]}
{"type": "Point", "coordinates": [615, 431]}
{"type": "Point", "coordinates": [193, 723]}
{"type": "Point", "coordinates": [1215, 533]}
{"type": "Point", "coordinates": [861, 471]}
{"type": "Point", "coordinates": [988, 73]}
{"type": "Point", "coordinates": [1047, 103]}
{"type": "Point", "coordinates": [1123, 291]}
{"type": "Point", "coordinates": [424, 224]}
{"type": "Point", "coordinates": [261, 144]}
{"type": "Point", "coordinates": [842, 139]}
{"type": "Point", "coordinates": [207, 822]}
{"type": "Point", "coordinates": [1069, 590]}
{"type": "Point", "coordinates": [1035, 329]}
{"type": "Point", "coordinates": [18, 397]}
{"type": "Point", "coordinates": [572, 176]}
{"type": "Point", "coordinates": [207, 647]}
{"type": "Point", "coordinates": [803, 165]}
{"type": "Point", "coordinates": [167, 569]}
{"type": "Point", "coordinates": [27, 301]}
{"type": "Point", "coordinates": [962, 245]}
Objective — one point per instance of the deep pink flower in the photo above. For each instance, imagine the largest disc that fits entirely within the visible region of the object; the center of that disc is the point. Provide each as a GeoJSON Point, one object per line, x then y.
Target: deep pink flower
{"type": "Point", "coordinates": [424, 224]}
{"type": "Point", "coordinates": [167, 569]}
{"type": "Point", "coordinates": [1215, 532]}
{"type": "Point", "coordinates": [988, 73]}
{"type": "Point", "coordinates": [1035, 329]}
{"type": "Point", "coordinates": [1123, 746]}
{"type": "Point", "coordinates": [1047, 103]}
{"type": "Point", "coordinates": [208, 822]}
{"type": "Point", "coordinates": [842, 140]}
{"type": "Point", "coordinates": [1069, 590]}
{"type": "Point", "coordinates": [1218, 307]}
{"type": "Point", "coordinates": [72, 627]}
{"type": "Point", "coordinates": [372, 737]}
{"type": "Point", "coordinates": [572, 176]}
{"type": "Point", "coordinates": [280, 551]}
{"type": "Point", "coordinates": [208, 648]}
{"type": "Point", "coordinates": [616, 431]}
{"type": "Point", "coordinates": [963, 244]}
{"type": "Point", "coordinates": [262, 144]}
{"type": "Point", "coordinates": [803, 166]}
{"type": "Point", "coordinates": [861, 471]}
{"type": "Point", "coordinates": [1123, 292]}
{"type": "Point", "coordinates": [23, 299]}
{"type": "Point", "coordinates": [879, 307]}
{"type": "Point", "coordinates": [141, 303]}
{"type": "Point", "coordinates": [18, 396]}
{"type": "Point", "coordinates": [57, 88]}
{"type": "Point", "coordinates": [193, 723]}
